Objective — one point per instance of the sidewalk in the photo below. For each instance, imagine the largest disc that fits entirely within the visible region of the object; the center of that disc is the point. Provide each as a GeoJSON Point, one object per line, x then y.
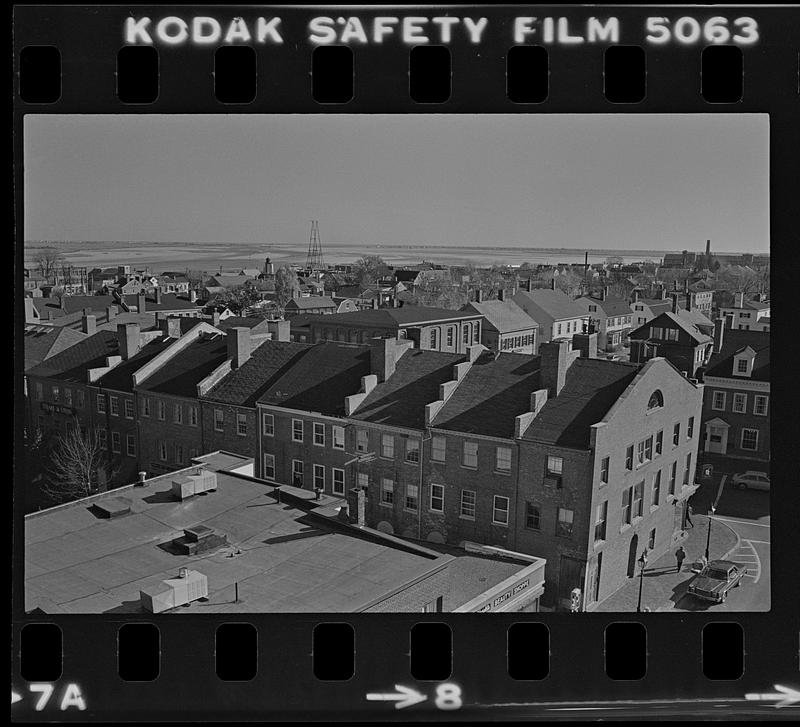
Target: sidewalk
{"type": "Point", "coordinates": [663, 587]}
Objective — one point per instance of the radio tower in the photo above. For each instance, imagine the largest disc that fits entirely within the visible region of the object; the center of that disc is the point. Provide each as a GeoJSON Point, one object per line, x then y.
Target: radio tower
{"type": "Point", "coordinates": [314, 259]}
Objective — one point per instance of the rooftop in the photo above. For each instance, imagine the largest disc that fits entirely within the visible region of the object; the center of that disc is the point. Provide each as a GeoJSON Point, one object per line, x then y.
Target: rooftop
{"type": "Point", "coordinates": [392, 317]}
{"type": "Point", "coordinates": [503, 315]}
{"type": "Point", "coordinates": [555, 303]}
{"type": "Point", "coordinates": [71, 364]}
{"type": "Point", "coordinates": [41, 342]}
{"type": "Point", "coordinates": [401, 400]}
{"type": "Point", "coordinates": [314, 301]}
{"type": "Point", "coordinates": [494, 392]}
{"type": "Point", "coordinates": [120, 377]}
{"type": "Point", "coordinates": [734, 341]}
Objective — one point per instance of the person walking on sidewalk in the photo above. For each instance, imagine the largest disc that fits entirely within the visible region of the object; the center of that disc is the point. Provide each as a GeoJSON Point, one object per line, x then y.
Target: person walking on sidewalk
{"type": "Point", "coordinates": [689, 513]}
{"type": "Point", "coordinates": [680, 555]}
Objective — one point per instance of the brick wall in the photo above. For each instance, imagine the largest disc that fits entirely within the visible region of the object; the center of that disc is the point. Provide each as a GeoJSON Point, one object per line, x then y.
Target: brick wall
{"type": "Point", "coordinates": [415, 596]}
{"type": "Point", "coordinates": [229, 438]}
{"type": "Point", "coordinates": [153, 431]}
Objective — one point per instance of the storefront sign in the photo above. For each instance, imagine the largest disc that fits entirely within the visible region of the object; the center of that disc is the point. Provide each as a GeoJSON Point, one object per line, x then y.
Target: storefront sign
{"type": "Point", "coordinates": [521, 586]}
{"type": "Point", "coordinates": [57, 408]}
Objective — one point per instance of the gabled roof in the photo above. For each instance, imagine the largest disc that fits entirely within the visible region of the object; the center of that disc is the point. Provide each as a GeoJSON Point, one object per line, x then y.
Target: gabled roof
{"type": "Point", "coordinates": [315, 301]}
{"type": "Point", "coordinates": [41, 342]}
{"type": "Point", "coordinates": [245, 385]}
{"type": "Point", "coordinates": [184, 371]}
{"type": "Point", "coordinates": [493, 393]}
{"type": "Point", "coordinates": [610, 306]}
{"type": "Point", "coordinates": [671, 319]}
{"type": "Point", "coordinates": [502, 315]}
{"type": "Point", "coordinates": [733, 342]}
{"type": "Point", "coordinates": [169, 301]}
{"type": "Point", "coordinates": [120, 377]}
{"type": "Point", "coordinates": [320, 378]}
{"type": "Point", "coordinates": [72, 364]}
{"type": "Point", "coordinates": [591, 388]}
{"type": "Point", "coordinates": [73, 304]}
{"type": "Point", "coordinates": [400, 401]}
{"type": "Point", "coordinates": [229, 280]}
{"type": "Point", "coordinates": [554, 303]}
{"type": "Point", "coordinates": [393, 317]}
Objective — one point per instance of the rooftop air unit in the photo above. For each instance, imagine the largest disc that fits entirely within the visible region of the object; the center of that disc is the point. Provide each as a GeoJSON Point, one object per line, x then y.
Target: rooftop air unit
{"type": "Point", "coordinates": [185, 486]}
{"type": "Point", "coordinates": [188, 586]}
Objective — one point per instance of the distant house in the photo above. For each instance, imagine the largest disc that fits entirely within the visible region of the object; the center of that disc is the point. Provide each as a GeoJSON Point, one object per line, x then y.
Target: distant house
{"type": "Point", "coordinates": [748, 314]}
{"type": "Point", "coordinates": [316, 305]}
{"type": "Point", "coordinates": [558, 316]}
{"type": "Point", "coordinates": [507, 328]}
{"type": "Point", "coordinates": [610, 317]}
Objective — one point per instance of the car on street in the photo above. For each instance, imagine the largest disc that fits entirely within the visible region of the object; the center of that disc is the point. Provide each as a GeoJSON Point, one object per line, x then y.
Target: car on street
{"type": "Point", "coordinates": [751, 480]}
{"type": "Point", "coordinates": [716, 579]}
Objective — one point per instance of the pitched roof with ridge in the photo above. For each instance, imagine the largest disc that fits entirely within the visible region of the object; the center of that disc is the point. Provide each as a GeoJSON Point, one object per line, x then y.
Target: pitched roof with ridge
{"type": "Point", "coordinates": [72, 364]}
{"type": "Point", "coordinates": [555, 303]}
{"type": "Point", "coordinates": [42, 342]}
{"type": "Point", "coordinates": [493, 393]}
{"type": "Point", "coordinates": [503, 316]}
{"type": "Point", "coordinates": [120, 377]}
{"type": "Point", "coordinates": [392, 317]}
{"type": "Point", "coordinates": [733, 342]}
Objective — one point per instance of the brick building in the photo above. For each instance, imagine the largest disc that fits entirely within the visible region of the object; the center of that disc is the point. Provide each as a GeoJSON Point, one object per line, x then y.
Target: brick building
{"type": "Point", "coordinates": [736, 432]}
{"type": "Point", "coordinates": [748, 313]}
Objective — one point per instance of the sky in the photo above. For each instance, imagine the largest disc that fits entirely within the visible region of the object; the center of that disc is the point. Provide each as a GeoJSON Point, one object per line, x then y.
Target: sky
{"type": "Point", "coordinates": [626, 181]}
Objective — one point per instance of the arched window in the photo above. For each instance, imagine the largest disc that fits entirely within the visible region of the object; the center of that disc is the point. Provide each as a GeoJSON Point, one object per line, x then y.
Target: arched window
{"type": "Point", "coordinates": [656, 400]}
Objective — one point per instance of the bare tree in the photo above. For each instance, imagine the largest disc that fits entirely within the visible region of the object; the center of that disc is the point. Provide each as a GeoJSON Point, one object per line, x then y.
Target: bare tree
{"type": "Point", "coordinates": [286, 285]}
{"type": "Point", "coordinates": [48, 260]}
{"type": "Point", "coordinates": [369, 269]}
{"type": "Point", "coordinates": [77, 459]}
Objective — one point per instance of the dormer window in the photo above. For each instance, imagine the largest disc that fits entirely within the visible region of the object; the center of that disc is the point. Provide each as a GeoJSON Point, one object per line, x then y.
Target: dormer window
{"type": "Point", "coordinates": [656, 400]}
{"type": "Point", "coordinates": [743, 362]}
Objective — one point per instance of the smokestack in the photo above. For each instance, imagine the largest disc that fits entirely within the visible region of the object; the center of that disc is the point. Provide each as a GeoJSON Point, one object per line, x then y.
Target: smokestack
{"type": "Point", "coordinates": [708, 248]}
{"type": "Point", "coordinates": [383, 355]}
{"type": "Point", "coordinates": [192, 296]}
{"type": "Point", "coordinates": [553, 283]}
{"type": "Point", "coordinates": [675, 303]}
{"type": "Point", "coordinates": [738, 300]}
{"type": "Point", "coordinates": [556, 358]}
{"type": "Point", "coordinates": [128, 339]}
{"type": "Point", "coordinates": [89, 324]}
{"type": "Point", "coordinates": [158, 295]}
{"type": "Point", "coordinates": [171, 327]}
{"type": "Point", "coordinates": [374, 304]}
{"type": "Point", "coordinates": [719, 334]}
{"type": "Point", "coordinates": [688, 301]}
{"type": "Point", "coordinates": [141, 302]}
{"type": "Point", "coordinates": [111, 312]}
{"type": "Point", "coordinates": [478, 295]}
{"type": "Point", "coordinates": [238, 340]}
{"type": "Point", "coordinates": [501, 294]}
{"type": "Point", "coordinates": [635, 293]}
{"type": "Point", "coordinates": [586, 343]}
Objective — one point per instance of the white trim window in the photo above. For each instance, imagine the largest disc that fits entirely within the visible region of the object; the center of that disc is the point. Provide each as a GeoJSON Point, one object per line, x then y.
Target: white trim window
{"type": "Point", "coordinates": [760, 405]}
{"type": "Point", "coordinates": [437, 498]}
{"type": "Point", "coordinates": [503, 459]}
{"type": "Point", "coordinates": [297, 430]}
{"type": "Point", "coordinates": [387, 491]}
{"type": "Point", "coordinates": [319, 476]}
{"type": "Point", "coordinates": [337, 435]}
{"type": "Point", "coordinates": [101, 403]}
{"type": "Point", "coordinates": [130, 445]}
{"type": "Point", "coordinates": [362, 440]}
{"type": "Point", "coordinates": [387, 446]}
{"type": "Point", "coordinates": [177, 414]}
{"type": "Point", "coordinates": [749, 440]}
{"type": "Point", "coordinates": [338, 481]}
{"type": "Point", "coordinates": [241, 424]}
{"type": "Point", "coordinates": [268, 472]}
{"type": "Point", "coordinates": [162, 451]}
{"type": "Point", "coordinates": [470, 457]}
{"type": "Point", "coordinates": [129, 412]}
{"type": "Point", "coordinates": [267, 424]}
{"type": "Point", "coordinates": [739, 403]}
{"type": "Point", "coordinates": [468, 504]}
{"type": "Point", "coordinates": [298, 474]}
{"type": "Point", "coordinates": [500, 507]}
{"type": "Point", "coordinates": [113, 404]}
{"type": "Point", "coordinates": [438, 449]}
{"type": "Point", "coordinates": [412, 497]}
{"type": "Point", "coordinates": [219, 420]}
{"type": "Point", "coordinates": [116, 445]}
{"type": "Point", "coordinates": [162, 410]}
{"type": "Point", "coordinates": [718, 400]}
{"type": "Point", "coordinates": [146, 406]}
{"type": "Point", "coordinates": [319, 434]}
{"type": "Point", "coordinates": [412, 450]}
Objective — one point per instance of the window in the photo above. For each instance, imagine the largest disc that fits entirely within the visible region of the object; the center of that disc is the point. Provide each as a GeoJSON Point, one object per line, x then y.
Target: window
{"type": "Point", "coordinates": [387, 446]}
{"type": "Point", "coordinates": [600, 518]}
{"type": "Point", "coordinates": [468, 504]}
{"type": "Point", "coordinates": [629, 458]}
{"type": "Point", "coordinates": [759, 405]}
{"type": "Point", "coordinates": [39, 390]}
{"type": "Point", "coordinates": [80, 397]}
{"type": "Point", "coordinates": [128, 408]}
{"type": "Point", "coordinates": [466, 333]}
{"type": "Point", "coordinates": [438, 448]}
{"type": "Point", "coordinates": [297, 473]}
{"type": "Point", "coordinates": [651, 541]}
{"type": "Point", "coordinates": [130, 445]}
{"type": "Point", "coordinates": [387, 491]}
{"type": "Point", "coordinates": [676, 434]}
{"type": "Point", "coordinates": [319, 434]}
{"type": "Point", "coordinates": [627, 495]}
{"type": "Point", "coordinates": [470, 454]}
{"type": "Point", "coordinates": [450, 336]}
{"type": "Point", "coordinates": [434, 338]}
{"type": "Point", "coordinates": [162, 451]}
{"type": "Point", "coordinates": [555, 466]}
{"type": "Point", "coordinates": [297, 430]}
{"type": "Point", "coordinates": [68, 397]}
{"type": "Point", "coordinates": [476, 332]}
{"type": "Point", "coordinates": [690, 428]}
{"type": "Point", "coordinates": [162, 410]}
{"type": "Point", "coordinates": [673, 476]}
{"type": "Point", "coordinates": [241, 424]}
{"type": "Point", "coordinates": [268, 424]}
{"type": "Point", "coordinates": [656, 400]}
{"type": "Point", "coordinates": [412, 497]}
{"type": "Point", "coordinates": [533, 516]}
{"type": "Point", "coordinates": [688, 469]}
{"type": "Point", "coordinates": [659, 442]}
{"type": "Point", "coordinates": [219, 420]}
{"type": "Point", "coordinates": [337, 434]}
{"type": "Point", "coordinates": [503, 459]}
{"type": "Point", "coordinates": [656, 488]}
{"type": "Point", "coordinates": [338, 481]}
{"type": "Point", "coordinates": [319, 477]}
{"type": "Point", "coordinates": [113, 404]}
{"type": "Point", "coordinates": [500, 510]}
{"type": "Point", "coordinates": [739, 403]}
{"type": "Point", "coordinates": [437, 498]}
{"type": "Point", "coordinates": [564, 522]}
{"type": "Point", "coordinates": [101, 404]}
{"type": "Point", "coordinates": [177, 414]}
{"type": "Point", "coordinates": [115, 442]}
{"type": "Point", "coordinates": [638, 499]}
{"type": "Point", "coordinates": [750, 439]}
{"type": "Point", "coordinates": [604, 463]}
{"type": "Point", "coordinates": [179, 454]}
{"type": "Point", "coordinates": [558, 329]}
{"type": "Point", "coordinates": [362, 440]}
{"type": "Point", "coordinates": [412, 450]}
{"type": "Point", "coordinates": [640, 459]}
{"type": "Point", "coordinates": [718, 401]}
{"type": "Point", "coordinates": [363, 481]}
{"type": "Point", "coordinates": [146, 406]}
{"type": "Point", "coordinates": [741, 365]}
{"type": "Point", "coordinates": [193, 416]}
{"type": "Point", "coordinates": [269, 467]}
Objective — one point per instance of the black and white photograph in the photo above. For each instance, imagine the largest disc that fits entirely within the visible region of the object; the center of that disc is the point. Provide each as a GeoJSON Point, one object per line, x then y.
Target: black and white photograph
{"type": "Point", "coordinates": [341, 363]}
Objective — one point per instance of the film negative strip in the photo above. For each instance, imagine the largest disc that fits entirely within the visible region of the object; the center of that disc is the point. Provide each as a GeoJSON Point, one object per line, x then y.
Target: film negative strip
{"type": "Point", "coordinates": [495, 441]}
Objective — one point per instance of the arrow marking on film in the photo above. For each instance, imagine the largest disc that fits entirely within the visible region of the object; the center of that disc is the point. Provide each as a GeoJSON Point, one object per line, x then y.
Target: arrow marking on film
{"type": "Point", "coordinates": [15, 697]}
{"type": "Point", "coordinates": [404, 696]}
{"type": "Point", "coordinates": [784, 696]}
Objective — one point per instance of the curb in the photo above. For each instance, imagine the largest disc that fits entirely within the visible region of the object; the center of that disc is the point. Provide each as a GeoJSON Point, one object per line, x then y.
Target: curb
{"type": "Point", "coordinates": [738, 540]}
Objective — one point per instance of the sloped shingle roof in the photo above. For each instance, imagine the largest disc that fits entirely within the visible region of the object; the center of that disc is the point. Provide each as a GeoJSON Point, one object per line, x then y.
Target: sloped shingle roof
{"type": "Point", "coordinates": [503, 315]}
{"type": "Point", "coordinates": [733, 341]}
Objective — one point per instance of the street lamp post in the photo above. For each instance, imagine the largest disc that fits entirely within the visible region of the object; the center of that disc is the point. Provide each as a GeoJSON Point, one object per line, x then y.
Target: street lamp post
{"type": "Point", "coordinates": [642, 564]}
{"type": "Point", "coordinates": [708, 536]}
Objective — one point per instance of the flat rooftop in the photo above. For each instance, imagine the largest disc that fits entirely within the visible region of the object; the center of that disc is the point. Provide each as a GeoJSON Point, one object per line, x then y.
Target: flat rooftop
{"type": "Point", "coordinates": [284, 558]}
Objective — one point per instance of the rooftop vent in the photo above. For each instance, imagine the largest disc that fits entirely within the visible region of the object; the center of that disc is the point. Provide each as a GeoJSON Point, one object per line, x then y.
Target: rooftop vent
{"type": "Point", "coordinates": [187, 486]}
{"type": "Point", "coordinates": [112, 507]}
{"type": "Point", "coordinates": [197, 539]}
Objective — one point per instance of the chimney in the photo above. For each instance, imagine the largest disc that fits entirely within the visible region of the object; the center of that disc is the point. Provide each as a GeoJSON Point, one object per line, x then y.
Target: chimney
{"type": "Point", "coordinates": [556, 358]}
{"type": "Point", "coordinates": [603, 292]}
{"type": "Point", "coordinates": [172, 327]}
{"type": "Point", "coordinates": [158, 295]}
{"type": "Point", "coordinates": [675, 284]}
{"type": "Point", "coordinates": [708, 249]}
{"type": "Point", "coordinates": [586, 343]}
{"type": "Point", "coordinates": [478, 295]}
{"type": "Point", "coordinates": [89, 324]}
{"type": "Point", "coordinates": [719, 334]}
{"type": "Point", "coordinates": [192, 296]}
{"type": "Point", "coordinates": [395, 302]}
{"type": "Point", "coordinates": [361, 507]}
{"type": "Point", "coordinates": [142, 480]}
{"type": "Point", "coordinates": [662, 292]}
{"type": "Point", "coordinates": [215, 318]}
{"type": "Point", "coordinates": [738, 300]}
{"type": "Point", "coordinates": [501, 294]}
{"type": "Point", "coordinates": [141, 302]}
{"type": "Point", "coordinates": [635, 294]}
{"type": "Point", "coordinates": [688, 301]}
{"type": "Point", "coordinates": [128, 339]}
{"type": "Point", "coordinates": [111, 312]}
{"type": "Point", "coordinates": [675, 303]}
{"type": "Point", "coordinates": [63, 302]}
{"type": "Point", "coordinates": [383, 357]}
{"type": "Point", "coordinates": [280, 330]}
{"type": "Point", "coordinates": [553, 283]}
{"type": "Point", "coordinates": [238, 346]}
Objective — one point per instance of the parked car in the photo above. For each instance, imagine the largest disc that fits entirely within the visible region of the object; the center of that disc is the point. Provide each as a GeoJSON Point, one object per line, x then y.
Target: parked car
{"type": "Point", "coordinates": [751, 480]}
{"type": "Point", "coordinates": [716, 579]}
